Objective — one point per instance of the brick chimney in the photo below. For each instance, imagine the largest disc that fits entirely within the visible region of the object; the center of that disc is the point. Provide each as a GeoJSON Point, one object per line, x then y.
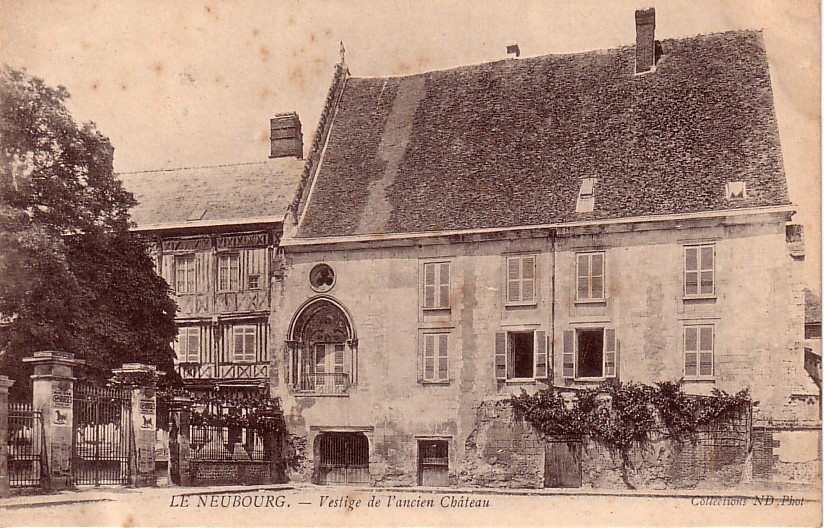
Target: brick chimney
{"type": "Point", "coordinates": [645, 40]}
{"type": "Point", "coordinates": [286, 137]}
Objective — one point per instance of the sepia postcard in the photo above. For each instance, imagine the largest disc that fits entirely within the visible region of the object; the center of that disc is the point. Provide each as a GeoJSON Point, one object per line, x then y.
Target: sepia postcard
{"type": "Point", "coordinates": [386, 263]}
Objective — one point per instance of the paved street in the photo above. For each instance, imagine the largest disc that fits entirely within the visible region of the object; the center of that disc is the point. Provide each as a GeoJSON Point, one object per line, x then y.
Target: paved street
{"type": "Point", "coordinates": [335, 506]}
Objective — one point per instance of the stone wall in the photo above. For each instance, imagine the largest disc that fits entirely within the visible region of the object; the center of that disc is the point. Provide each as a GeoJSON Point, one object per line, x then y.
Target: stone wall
{"type": "Point", "coordinates": [504, 451]}
{"type": "Point", "coordinates": [787, 455]}
{"type": "Point", "coordinates": [206, 473]}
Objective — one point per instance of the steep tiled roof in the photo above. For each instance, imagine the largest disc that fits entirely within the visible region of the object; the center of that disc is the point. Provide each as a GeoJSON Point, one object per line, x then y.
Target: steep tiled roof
{"type": "Point", "coordinates": [508, 143]}
{"type": "Point", "coordinates": [219, 193]}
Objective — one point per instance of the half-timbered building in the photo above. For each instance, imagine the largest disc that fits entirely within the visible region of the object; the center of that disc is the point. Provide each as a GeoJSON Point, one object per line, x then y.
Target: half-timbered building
{"type": "Point", "coordinates": [214, 232]}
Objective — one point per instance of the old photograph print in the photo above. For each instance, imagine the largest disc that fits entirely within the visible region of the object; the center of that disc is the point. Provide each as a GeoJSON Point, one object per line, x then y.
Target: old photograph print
{"type": "Point", "coordinates": [446, 263]}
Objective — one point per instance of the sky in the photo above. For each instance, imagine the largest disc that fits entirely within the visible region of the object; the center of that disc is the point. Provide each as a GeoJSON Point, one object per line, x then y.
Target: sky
{"type": "Point", "coordinates": [181, 84]}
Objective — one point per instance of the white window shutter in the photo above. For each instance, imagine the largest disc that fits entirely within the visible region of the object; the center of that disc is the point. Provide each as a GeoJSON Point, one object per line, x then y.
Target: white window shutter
{"type": "Point", "coordinates": [528, 279]}
{"type": "Point", "coordinates": [428, 285]}
{"type": "Point", "coordinates": [569, 354]}
{"type": "Point", "coordinates": [443, 302]}
{"type": "Point", "coordinates": [429, 357]}
{"type": "Point", "coordinates": [500, 355]}
{"type": "Point", "coordinates": [443, 357]}
{"type": "Point", "coordinates": [541, 362]}
{"type": "Point", "coordinates": [513, 292]}
{"type": "Point", "coordinates": [610, 353]}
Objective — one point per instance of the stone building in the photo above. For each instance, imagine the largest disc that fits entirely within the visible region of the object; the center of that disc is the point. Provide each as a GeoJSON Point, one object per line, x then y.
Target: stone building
{"type": "Point", "coordinates": [561, 220]}
{"type": "Point", "coordinates": [214, 232]}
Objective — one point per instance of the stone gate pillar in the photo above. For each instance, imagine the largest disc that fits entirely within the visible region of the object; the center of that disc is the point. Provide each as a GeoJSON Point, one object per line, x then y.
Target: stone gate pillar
{"type": "Point", "coordinates": [141, 381]}
{"type": "Point", "coordinates": [180, 410]}
{"type": "Point", "coordinates": [53, 394]}
{"type": "Point", "coordinates": [5, 383]}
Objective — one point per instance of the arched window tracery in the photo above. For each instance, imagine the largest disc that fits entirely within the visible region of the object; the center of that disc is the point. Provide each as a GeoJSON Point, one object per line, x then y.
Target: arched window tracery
{"type": "Point", "coordinates": [322, 350]}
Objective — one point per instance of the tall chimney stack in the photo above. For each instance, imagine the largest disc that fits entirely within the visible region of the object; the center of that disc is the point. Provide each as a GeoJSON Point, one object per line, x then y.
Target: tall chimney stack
{"type": "Point", "coordinates": [286, 136]}
{"type": "Point", "coordinates": [645, 40]}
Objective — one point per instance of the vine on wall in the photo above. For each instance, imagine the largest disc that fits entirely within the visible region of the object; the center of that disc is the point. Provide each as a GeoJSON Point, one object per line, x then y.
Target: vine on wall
{"type": "Point", "coordinates": [620, 414]}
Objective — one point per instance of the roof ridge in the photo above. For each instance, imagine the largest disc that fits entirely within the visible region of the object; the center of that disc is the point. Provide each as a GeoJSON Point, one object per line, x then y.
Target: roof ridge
{"type": "Point", "coordinates": [545, 55]}
{"type": "Point", "coordinates": [194, 167]}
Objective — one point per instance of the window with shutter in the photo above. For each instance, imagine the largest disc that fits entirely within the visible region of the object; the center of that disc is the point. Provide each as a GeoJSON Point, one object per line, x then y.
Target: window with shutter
{"type": "Point", "coordinates": [520, 279]}
{"type": "Point", "coordinates": [521, 355]}
{"type": "Point", "coordinates": [610, 354]}
{"type": "Point", "coordinates": [590, 276]}
{"type": "Point", "coordinates": [436, 285]}
{"type": "Point", "coordinates": [187, 346]}
{"type": "Point", "coordinates": [589, 360]}
{"type": "Point", "coordinates": [569, 354]}
{"type": "Point", "coordinates": [228, 267]}
{"type": "Point", "coordinates": [590, 353]}
{"type": "Point", "coordinates": [435, 357]}
{"type": "Point", "coordinates": [699, 270]}
{"type": "Point", "coordinates": [699, 351]}
{"type": "Point", "coordinates": [541, 356]}
{"type": "Point", "coordinates": [500, 356]}
{"type": "Point", "coordinates": [244, 343]}
{"type": "Point", "coordinates": [185, 277]}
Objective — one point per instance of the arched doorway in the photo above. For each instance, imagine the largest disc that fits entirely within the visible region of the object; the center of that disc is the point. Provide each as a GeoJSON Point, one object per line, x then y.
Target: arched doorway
{"type": "Point", "coordinates": [322, 349]}
{"type": "Point", "coordinates": [341, 458]}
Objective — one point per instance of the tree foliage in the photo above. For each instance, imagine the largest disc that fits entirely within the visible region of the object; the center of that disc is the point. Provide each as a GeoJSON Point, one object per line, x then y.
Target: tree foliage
{"type": "Point", "coordinates": [73, 277]}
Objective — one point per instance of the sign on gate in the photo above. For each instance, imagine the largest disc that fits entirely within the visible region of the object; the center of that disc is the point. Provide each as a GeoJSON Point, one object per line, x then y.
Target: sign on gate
{"type": "Point", "coordinates": [62, 399]}
{"type": "Point", "coordinates": [147, 414]}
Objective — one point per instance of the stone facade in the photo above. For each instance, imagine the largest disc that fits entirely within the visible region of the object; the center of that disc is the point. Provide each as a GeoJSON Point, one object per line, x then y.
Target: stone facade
{"type": "Point", "coordinates": [380, 290]}
{"type": "Point", "coordinates": [462, 235]}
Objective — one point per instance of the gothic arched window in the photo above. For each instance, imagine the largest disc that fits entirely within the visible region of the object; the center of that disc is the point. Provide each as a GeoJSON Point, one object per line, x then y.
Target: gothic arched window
{"type": "Point", "coordinates": [322, 350]}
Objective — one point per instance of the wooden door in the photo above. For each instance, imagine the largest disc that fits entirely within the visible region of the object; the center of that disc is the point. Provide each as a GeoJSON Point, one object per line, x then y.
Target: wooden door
{"type": "Point", "coordinates": [433, 463]}
{"type": "Point", "coordinates": [562, 468]}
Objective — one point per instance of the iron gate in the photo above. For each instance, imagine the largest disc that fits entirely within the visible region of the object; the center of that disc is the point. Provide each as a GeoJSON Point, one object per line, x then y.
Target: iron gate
{"type": "Point", "coordinates": [103, 435]}
{"type": "Point", "coordinates": [344, 458]}
{"type": "Point", "coordinates": [25, 441]}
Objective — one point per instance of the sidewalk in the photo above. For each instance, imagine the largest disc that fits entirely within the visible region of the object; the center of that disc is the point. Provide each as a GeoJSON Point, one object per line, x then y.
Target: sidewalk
{"type": "Point", "coordinates": [117, 493]}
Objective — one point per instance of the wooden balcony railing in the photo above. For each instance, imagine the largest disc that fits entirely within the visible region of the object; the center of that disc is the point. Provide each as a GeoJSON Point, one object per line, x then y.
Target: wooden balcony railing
{"type": "Point", "coordinates": [202, 371]}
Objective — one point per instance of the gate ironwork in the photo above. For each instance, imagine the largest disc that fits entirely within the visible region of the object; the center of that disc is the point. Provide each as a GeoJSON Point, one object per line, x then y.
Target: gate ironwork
{"type": "Point", "coordinates": [344, 458]}
{"type": "Point", "coordinates": [103, 435]}
{"type": "Point", "coordinates": [25, 441]}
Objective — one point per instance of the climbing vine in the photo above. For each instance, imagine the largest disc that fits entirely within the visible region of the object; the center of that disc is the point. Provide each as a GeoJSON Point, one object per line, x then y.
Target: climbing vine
{"type": "Point", "coordinates": [257, 411]}
{"type": "Point", "coordinates": [621, 414]}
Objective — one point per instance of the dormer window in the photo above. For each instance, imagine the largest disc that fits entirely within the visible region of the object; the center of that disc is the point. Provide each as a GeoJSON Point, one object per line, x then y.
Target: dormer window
{"type": "Point", "coordinates": [736, 190]}
{"type": "Point", "coordinates": [586, 196]}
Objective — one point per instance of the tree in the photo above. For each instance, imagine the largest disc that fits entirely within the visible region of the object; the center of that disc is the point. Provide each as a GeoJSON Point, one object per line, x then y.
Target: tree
{"type": "Point", "coordinates": [73, 277]}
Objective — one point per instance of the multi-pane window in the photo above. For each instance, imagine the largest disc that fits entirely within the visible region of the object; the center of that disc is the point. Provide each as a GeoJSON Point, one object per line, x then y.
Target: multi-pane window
{"type": "Point", "coordinates": [254, 282]}
{"type": "Point", "coordinates": [187, 346]}
{"type": "Point", "coordinates": [699, 270]}
{"type": "Point", "coordinates": [520, 279]}
{"type": "Point", "coordinates": [435, 357]}
{"type": "Point", "coordinates": [436, 285]}
{"type": "Point", "coordinates": [244, 343]}
{"type": "Point", "coordinates": [521, 355]}
{"type": "Point", "coordinates": [228, 275]}
{"type": "Point", "coordinates": [698, 351]}
{"type": "Point", "coordinates": [185, 281]}
{"type": "Point", "coordinates": [590, 353]}
{"type": "Point", "coordinates": [590, 276]}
